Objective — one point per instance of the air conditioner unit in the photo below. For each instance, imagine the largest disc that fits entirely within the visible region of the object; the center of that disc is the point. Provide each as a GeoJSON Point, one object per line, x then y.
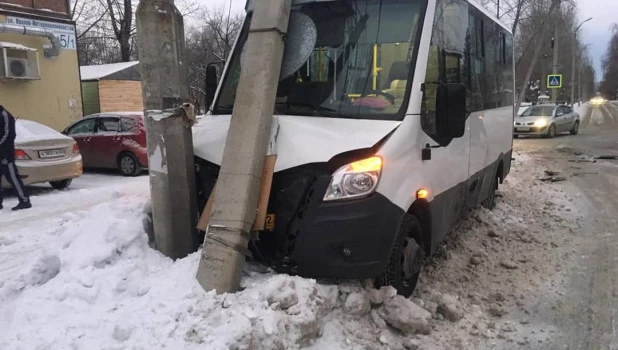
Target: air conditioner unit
{"type": "Point", "coordinates": [18, 62]}
{"type": "Point", "coordinates": [20, 68]}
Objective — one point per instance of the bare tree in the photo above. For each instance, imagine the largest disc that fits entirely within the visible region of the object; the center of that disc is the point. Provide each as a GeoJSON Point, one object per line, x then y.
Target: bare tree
{"type": "Point", "coordinates": [87, 15]}
{"type": "Point", "coordinates": [609, 84]}
{"type": "Point", "coordinates": [221, 29]}
{"type": "Point", "coordinates": [211, 42]}
{"type": "Point", "coordinates": [545, 28]}
{"type": "Point", "coordinates": [106, 28]}
{"type": "Point", "coordinates": [121, 19]}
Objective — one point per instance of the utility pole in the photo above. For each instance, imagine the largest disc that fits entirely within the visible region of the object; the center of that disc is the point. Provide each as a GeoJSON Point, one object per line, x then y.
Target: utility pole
{"type": "Point", "coordinates": [576, 53]}
{"type": "Point", "coordinates": [573, 72]}
{"type": "Point", "coordinates": [541, 41]}
{"type": "Point", "coordinates": [554, 92]}
{"type": "Point", "coordinates": [579, 80]}
{"type": "Point", "coordinates": [160, 41]}
{"type": "Point", "coordinates": [237, 191]}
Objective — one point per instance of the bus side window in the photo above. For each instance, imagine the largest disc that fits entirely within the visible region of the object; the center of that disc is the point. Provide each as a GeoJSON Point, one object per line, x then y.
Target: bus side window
{"type": "Point", "coordinates": [432, 77]}
{"type": "Point", "coordinates": [445, 62]}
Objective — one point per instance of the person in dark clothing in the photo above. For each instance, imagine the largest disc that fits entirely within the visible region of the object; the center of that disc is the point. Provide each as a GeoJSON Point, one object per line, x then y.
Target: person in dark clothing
{"type": "Point", "coordinates": [8, 170]}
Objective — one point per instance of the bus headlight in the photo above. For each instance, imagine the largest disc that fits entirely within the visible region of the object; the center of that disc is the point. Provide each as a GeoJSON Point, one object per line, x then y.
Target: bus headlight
{"type": "Point", "coordinates": [540, 123]}
{"type": "Point", "coordinates": [355, 180]}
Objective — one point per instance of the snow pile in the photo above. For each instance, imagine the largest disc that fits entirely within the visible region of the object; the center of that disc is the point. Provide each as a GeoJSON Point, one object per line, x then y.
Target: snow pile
{"type": "Point", "coordinates": [493, 267]}
{"type": "Point", "coordinates": [582, 110]}
{"type": "Point", "coordinates": [96, 283]}
{"type": "Point", "coordinates": [88, 280]}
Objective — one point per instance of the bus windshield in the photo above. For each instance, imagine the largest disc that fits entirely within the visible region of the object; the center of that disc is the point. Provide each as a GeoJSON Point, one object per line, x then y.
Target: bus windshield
{"type": "Point", "coordinates": [361, 65]}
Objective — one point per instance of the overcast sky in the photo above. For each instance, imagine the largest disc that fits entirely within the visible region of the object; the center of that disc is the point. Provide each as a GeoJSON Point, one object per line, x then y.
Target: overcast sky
{"type": "Point", "coordinates": [596, 33]}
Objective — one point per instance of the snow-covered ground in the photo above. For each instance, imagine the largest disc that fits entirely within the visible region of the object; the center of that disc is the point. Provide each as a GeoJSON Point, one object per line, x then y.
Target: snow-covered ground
{"type": "Point", "coordinates": [582, 110]}
{"type": "Point", "coordinates": [76, 272]}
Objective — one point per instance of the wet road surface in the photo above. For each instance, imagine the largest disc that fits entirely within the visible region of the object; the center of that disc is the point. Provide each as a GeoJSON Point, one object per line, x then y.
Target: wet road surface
{"type": "Point", "coordinates": [584, 315]}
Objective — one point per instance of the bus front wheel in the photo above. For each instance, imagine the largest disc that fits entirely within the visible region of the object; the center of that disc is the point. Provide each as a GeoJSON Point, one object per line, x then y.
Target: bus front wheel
{"type": "Point", "coordinates": [406, 259]}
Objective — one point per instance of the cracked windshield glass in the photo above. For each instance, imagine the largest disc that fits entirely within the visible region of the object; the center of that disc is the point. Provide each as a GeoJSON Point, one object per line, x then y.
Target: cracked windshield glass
{"type": "Point", "coordinates": [360, 67]}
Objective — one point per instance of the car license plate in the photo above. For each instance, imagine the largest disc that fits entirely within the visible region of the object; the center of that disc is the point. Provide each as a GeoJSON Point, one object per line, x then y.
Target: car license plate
{"type": "Point", "coordinates": [52, 153]}
{"type": "Point", "coordinates": [270, 222]}
{"type": "Point", "coordinates": [523, 129]}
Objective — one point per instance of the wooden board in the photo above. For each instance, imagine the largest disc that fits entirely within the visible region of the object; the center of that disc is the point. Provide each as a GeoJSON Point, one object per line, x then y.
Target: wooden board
{"type": "Point", "coordinates": [205, 217]}
{"type": "Point", "coordinates": [120, 96]}
{"type": "Point", "coordinates": [267, 181]}
{"type": "Point", "coordinates": [262, 209]}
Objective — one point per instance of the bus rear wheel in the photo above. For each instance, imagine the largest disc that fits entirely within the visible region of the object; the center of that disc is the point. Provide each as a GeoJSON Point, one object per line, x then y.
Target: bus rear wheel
{"type": "Point", "coordinates": [406, 259]}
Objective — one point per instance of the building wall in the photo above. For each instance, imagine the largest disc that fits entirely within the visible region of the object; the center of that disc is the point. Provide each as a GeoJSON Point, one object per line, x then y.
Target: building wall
{"type": "Point", "coordinates": [54, 5]}
{"type": "Point", "coordinates": [120, 96]}
{"type": "Point", "coordinates": [54, 100]}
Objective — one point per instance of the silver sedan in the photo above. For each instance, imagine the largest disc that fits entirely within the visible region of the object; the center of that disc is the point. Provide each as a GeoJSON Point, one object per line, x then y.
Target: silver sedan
{"type": "Point", "coordinates": [45, 155]}
{"type": "Point", "coordinates": [546, 120]}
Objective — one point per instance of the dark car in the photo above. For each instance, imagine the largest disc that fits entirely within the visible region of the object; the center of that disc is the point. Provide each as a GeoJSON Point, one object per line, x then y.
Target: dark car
{"type": "Point", "coordinates": [112, 140]}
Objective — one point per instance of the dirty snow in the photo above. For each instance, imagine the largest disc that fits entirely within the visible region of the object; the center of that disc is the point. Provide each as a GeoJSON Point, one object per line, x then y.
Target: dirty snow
{"type": "Point", "coordinates": [77, 272]}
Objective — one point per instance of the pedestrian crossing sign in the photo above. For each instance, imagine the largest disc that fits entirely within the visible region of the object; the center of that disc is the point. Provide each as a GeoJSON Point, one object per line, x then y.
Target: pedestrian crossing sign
{"type": "Point", "coordinates": [554, 81]}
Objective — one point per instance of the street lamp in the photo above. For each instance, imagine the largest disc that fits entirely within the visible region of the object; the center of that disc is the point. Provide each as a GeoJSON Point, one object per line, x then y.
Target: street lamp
{"type": "Point", "coordinates": [573, 63]}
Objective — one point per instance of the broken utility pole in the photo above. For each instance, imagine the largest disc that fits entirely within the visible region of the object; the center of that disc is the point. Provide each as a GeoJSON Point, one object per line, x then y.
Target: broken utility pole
{"type": "Point", "coordinates": [160, 41]}
{"type": "Point", "coordinates": [237, 191]}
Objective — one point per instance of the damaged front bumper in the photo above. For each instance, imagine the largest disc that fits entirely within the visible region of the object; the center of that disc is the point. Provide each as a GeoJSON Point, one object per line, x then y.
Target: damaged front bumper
{"type": "Point", "coordinates": [345, 239]}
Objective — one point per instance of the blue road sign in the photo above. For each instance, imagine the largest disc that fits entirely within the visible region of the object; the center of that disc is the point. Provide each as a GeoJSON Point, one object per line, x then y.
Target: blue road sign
{"type": "Point", "coordinates": [554, 81]}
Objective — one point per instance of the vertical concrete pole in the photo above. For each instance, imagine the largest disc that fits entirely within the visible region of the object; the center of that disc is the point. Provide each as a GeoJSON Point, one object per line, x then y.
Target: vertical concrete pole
{"type": "Point", "coordinates": [238, 185]}
{"type": "Point", "coordinates": [572, 78]}
{"type": "Point", "coordinates": [579, 79]}
{"type": "Point", "coordinates": [554, 92]}
{"type": "Point", "coordinates": [160, 42]}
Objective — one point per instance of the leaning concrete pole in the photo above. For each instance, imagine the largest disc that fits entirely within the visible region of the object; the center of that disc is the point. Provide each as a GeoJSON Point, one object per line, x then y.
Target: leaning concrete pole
{"type": "Point", "coordinates": [160, 41]}
{"type": "Point", "coordinates": [238, 185]}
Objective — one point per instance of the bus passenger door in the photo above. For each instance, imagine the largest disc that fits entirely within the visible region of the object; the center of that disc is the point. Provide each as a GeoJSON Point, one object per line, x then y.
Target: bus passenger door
{"type": "Point", "coordinates": [448, 168]}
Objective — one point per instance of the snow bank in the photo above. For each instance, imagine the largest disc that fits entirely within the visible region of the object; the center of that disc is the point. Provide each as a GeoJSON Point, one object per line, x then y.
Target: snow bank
{"type": "Point", "coordinates": [582, 110]}
{"type": "Point", "coordinates": [96, 284]}
{"type": "Point", "coordinates": [87, 279]}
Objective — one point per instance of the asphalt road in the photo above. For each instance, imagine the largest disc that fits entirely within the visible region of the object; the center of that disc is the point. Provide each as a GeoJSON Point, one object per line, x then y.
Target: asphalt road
{"type": "Point", "coordinates": [584, 314]}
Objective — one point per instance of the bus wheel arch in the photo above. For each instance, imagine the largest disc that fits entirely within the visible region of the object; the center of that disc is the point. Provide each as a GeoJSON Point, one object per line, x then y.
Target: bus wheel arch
{"type": "Point", "coordinates": [421, 210]}
{"type": "Point", "coordinates": [500, 172]}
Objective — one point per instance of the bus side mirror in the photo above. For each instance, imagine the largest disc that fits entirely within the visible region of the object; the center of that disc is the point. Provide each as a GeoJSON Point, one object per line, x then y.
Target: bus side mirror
{"type": "Point", "coordinates": [211, 83]}
{"type": "Point", "coordinates": [451, 111]}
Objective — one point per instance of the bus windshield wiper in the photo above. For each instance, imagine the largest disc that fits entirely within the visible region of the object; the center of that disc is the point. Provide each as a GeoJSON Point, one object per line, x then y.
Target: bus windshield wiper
{"type": "Point", "coordinates": [224, 109]}
{"type": "Point", "coordinates": [324, 111]}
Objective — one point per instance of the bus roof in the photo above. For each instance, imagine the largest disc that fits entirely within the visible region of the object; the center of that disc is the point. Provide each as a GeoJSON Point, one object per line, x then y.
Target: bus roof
{"type": "Point", "coordinates": [490, 15]}
{"type": "Point", "coordinates": [249, 7]}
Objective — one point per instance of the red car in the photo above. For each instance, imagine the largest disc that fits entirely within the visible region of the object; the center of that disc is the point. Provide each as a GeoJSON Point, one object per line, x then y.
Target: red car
{"type": "Point", "coordinates": [112, 140]}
